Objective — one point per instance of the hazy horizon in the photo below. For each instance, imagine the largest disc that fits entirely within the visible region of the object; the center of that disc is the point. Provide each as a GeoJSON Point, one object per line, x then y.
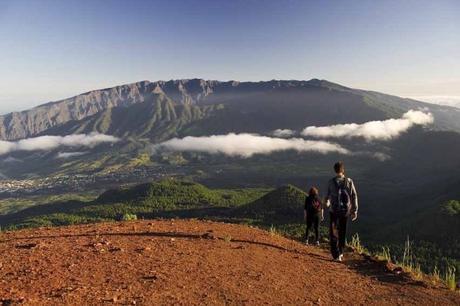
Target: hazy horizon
{"type": "Point", "coordinates": [52, 50]}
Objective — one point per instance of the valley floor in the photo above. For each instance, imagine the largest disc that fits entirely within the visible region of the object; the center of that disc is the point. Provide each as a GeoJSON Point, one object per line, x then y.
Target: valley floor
{"type": "Point", "coordinates": [191, 262]}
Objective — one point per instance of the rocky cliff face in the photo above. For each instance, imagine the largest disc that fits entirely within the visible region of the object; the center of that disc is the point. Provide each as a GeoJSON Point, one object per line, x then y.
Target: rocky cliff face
{"type": "Point", "coordinates": [32, 122]}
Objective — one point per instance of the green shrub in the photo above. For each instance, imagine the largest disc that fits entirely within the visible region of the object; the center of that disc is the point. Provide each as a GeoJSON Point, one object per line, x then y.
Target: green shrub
{"type": "Point", "coordinates": [385, 254]}
{"type": "Point", "coordinates": [128, 217]}
{"type": "Point", "coordinates": [356, 245]}
{"type": "Point", "coordinates": [436, 275]}
{"type": "Point", "coordinates": [452, 208]}
{"type": "Point", "coordinates": [449, 278]}
{"type": "Point", "coordinates": [227, 238]}
{"type": "Point", "coordinates": [408, 258]}
{"type": "Point", "coordinates": [273, 231]}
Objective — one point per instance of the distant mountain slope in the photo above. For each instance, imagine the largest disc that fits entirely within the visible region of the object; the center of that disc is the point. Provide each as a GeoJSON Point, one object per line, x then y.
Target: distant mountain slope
{"type": "Point", "coordinates": [157, 118]}
{"type": "Point", "coordinates": [285, 204]}
{"type": "Point", "coordinates": [145, 200]}
{"type": "Point", "coordinates": [255, 105]}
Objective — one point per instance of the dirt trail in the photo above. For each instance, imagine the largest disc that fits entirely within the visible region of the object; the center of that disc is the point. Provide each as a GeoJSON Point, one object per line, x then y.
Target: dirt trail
{"type": "Point", "coordinates": [190, 262]}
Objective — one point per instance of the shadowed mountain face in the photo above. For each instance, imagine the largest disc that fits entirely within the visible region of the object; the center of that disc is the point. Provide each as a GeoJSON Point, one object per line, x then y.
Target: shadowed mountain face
{"type": "Point", "coordinates": [197, 106]}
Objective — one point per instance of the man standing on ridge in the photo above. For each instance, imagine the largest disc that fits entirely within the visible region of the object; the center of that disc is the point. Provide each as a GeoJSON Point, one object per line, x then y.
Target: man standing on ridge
{"type": "Point", "coordinates": [342, 201]}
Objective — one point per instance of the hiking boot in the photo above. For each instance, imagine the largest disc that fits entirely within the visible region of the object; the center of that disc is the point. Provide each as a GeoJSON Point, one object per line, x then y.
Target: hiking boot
{"type": "Point", "coordinates": [339, 258]}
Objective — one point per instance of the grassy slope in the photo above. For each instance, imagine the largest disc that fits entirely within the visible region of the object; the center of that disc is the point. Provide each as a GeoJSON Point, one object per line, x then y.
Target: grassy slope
{"type": "Point", "coordinates": [147, 200]}
{"type": "Point", "coordinates": [14, 205]}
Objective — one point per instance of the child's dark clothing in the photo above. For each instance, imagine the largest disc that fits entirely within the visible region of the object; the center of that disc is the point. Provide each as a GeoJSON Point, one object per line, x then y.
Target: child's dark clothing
{"type": "Point", "coordinates": [313, 208]}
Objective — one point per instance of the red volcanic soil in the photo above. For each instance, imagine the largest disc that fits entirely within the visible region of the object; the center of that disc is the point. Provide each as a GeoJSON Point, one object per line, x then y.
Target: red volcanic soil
{"type": "Point", "coordinates": [191, 262]}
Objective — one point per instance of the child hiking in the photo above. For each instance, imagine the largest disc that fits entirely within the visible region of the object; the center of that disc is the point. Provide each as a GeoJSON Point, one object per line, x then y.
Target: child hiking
{"type": "Point", "coordinates": [342, 201]}
{"type": "Point", "coordinates": [313, 213]}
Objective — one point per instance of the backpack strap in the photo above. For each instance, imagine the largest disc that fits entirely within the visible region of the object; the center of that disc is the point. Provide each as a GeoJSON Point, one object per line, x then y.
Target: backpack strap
{"type": "Point", "coordinates": [345, 182]}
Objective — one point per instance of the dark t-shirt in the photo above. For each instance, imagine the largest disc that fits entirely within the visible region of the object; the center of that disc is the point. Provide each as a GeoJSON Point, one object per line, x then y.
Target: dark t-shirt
{"type": "Point", "coordinates": [309, 204]}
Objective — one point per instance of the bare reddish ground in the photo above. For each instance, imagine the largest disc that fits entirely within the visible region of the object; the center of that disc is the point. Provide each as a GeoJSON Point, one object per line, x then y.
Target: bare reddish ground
{"type": "Point", "coordinates": [191, 262]}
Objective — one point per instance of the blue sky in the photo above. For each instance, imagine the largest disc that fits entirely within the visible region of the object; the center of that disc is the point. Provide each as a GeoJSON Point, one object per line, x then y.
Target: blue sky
{"type": "Point", "coordinates": [51, 50]}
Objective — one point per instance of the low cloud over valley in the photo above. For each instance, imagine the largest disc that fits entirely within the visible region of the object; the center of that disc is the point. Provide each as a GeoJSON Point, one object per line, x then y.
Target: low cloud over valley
{"type": "Point", "coordinates": [372, 130]}
{"type": "Point", "coordinates": [246, 145]}
{"type": "Point", "coordinates": [47, 143]}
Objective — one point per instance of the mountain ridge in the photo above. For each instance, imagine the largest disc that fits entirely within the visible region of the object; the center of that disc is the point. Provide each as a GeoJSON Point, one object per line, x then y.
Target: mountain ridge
{"type": "Point", "coordinates": [245, 97]}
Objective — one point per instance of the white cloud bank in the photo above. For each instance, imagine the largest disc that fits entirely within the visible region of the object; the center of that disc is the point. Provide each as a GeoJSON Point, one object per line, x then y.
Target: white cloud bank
{"type": "Point", "coordinates": [65, 155]}
{"type": "Point", "coordinates": [246, 145]}
{"type": "Point", "coordinates": [372, 130]}
{"type": "Point", "coordinates": [47, 143]}
{"type": "Point", "coordinates": [283, 133]}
